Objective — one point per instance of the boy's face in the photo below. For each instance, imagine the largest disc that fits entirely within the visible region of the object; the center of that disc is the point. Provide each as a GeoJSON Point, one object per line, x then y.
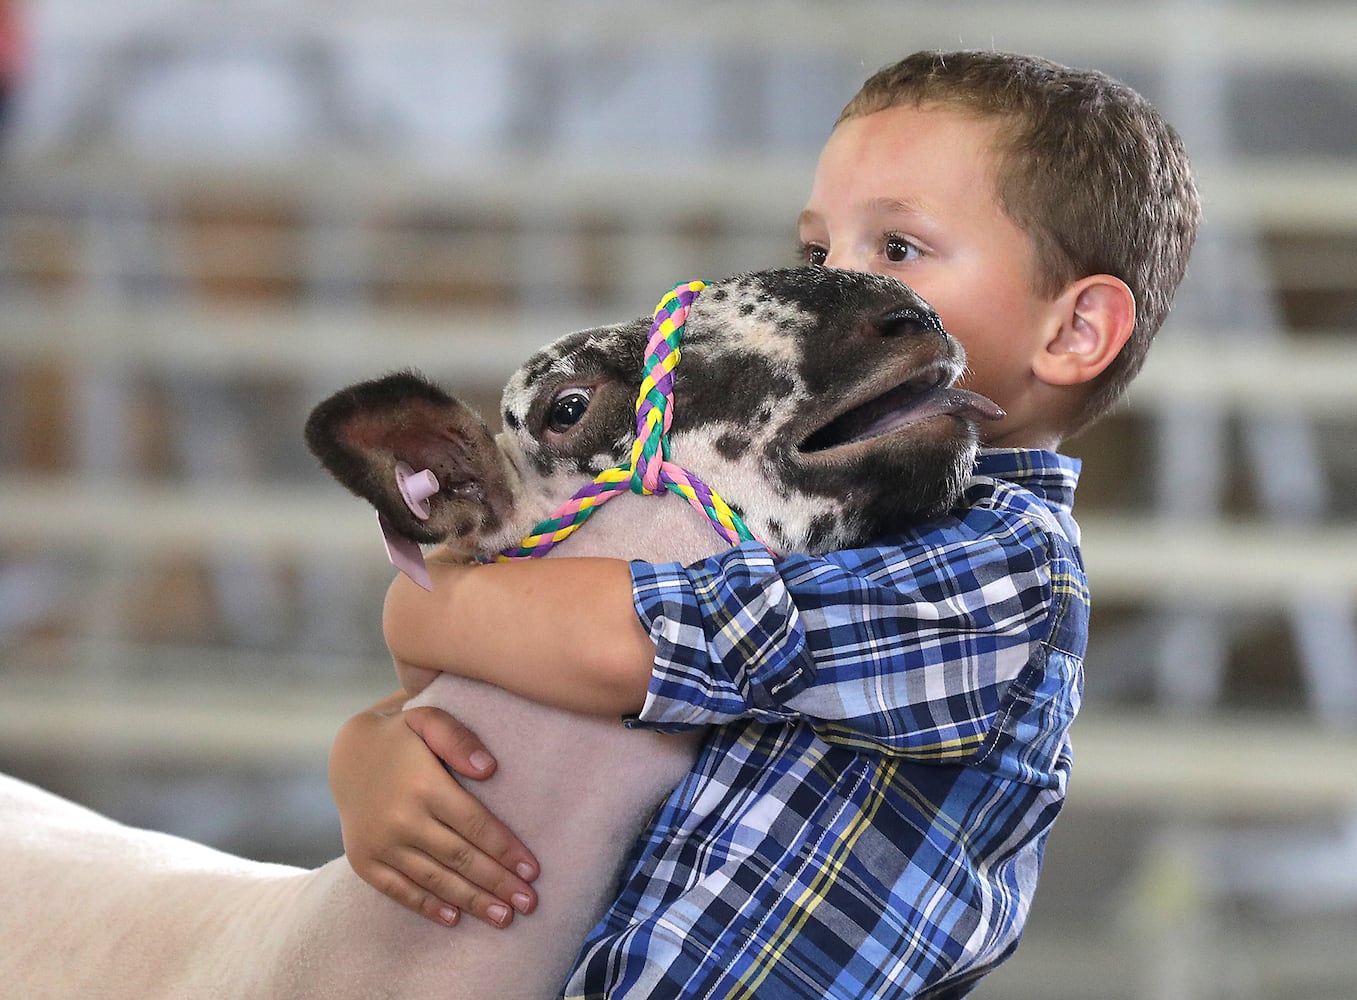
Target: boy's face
{"type": "Point", "coordinates": [910, 192]}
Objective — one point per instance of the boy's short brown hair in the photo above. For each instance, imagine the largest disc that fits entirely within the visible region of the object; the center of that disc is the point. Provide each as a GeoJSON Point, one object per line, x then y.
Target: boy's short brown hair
{"type": "Point", "coordinates": [1089, 169]}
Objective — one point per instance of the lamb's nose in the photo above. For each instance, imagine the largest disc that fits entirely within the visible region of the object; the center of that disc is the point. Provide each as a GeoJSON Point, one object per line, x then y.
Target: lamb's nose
{"type": "Point", "coordinates": [907, 321]}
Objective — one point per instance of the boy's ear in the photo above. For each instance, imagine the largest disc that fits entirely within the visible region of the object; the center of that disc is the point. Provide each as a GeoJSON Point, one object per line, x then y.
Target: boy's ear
{"type": "Point", "coordinates": [1096, 315]}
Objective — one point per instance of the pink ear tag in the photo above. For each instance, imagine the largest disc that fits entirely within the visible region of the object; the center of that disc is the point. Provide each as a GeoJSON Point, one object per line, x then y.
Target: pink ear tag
{"type": "Point", "coordinates": [416, 488]}
{"type": "Point", "coordinates": [406, 555]}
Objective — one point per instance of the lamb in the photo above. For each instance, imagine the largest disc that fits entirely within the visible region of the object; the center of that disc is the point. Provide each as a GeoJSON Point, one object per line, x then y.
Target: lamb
{"type": "Point", "coordinates": [820, 403]}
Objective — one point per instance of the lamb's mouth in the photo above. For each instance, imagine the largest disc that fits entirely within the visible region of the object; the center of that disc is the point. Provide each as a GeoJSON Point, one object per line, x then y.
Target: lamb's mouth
{"type": "Point", "coordinates": [908, 403]}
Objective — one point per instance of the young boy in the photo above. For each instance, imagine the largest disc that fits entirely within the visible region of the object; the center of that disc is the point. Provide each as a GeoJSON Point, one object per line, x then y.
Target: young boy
{"type": "Point", "coordinates": [868, 816]}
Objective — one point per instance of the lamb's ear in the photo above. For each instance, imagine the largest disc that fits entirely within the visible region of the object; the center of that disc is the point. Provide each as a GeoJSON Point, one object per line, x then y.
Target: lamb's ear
{"type": "Point", "coordinates": [362, 433]}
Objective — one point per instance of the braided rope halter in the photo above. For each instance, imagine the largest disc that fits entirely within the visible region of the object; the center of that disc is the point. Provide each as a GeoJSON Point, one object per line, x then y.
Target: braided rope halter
{"type": "Point", "coordinates": [650, 470]}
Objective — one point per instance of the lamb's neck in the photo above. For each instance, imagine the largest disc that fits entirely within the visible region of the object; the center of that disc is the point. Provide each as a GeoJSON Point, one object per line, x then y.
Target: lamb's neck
{"type": "Point", "coordinates": [660, 528]}
{"type": "Point", "coordinates": [334, 936]}
{"type": "Point", "coordinates": [562, 820]}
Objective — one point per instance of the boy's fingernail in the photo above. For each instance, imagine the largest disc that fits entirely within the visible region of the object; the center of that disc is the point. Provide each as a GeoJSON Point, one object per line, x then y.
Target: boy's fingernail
{"type": "Point", "coordinates": [448, 915]}
{"type": "Point", "coordinates": [525, 871]}
{"type": "Point", "coordinates": [481, 760]}
{"type": "Point", "coordinates": [498, 914]}
{"type": "Point", "coordinates": [521, 901]}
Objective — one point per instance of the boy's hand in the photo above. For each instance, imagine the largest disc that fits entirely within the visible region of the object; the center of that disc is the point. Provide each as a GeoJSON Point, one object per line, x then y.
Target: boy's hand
{"type": "Point", "coordinates": [411, 831]}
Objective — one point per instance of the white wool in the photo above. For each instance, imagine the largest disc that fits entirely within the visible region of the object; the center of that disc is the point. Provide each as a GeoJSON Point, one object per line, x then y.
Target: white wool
{"type": "Point", "coordinates": [93, 908]}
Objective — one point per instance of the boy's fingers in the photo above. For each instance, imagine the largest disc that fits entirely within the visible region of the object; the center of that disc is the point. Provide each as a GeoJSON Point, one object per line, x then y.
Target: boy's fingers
{"type": "Point", "coordinates": [484, 850]}
{"type": "Point", "coordinates": [391, 883]}
{"type": "Point", "coordinates": [453, 868]}
{"type": "Point", "coordinates": [462, 892]}
{"type": "Point", "coordinates": [455, 744]}
{"type": "Point", "coordinates": [422, 884]}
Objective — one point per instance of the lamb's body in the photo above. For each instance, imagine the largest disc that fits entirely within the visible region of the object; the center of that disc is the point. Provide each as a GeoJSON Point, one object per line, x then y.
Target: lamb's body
{"type": "Point", "coordinates": [94, 908]}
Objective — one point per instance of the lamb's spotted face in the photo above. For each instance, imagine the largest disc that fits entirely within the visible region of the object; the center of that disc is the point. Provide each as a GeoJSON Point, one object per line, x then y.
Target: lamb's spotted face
{"type": "Point", "coordinates": [819, 403]}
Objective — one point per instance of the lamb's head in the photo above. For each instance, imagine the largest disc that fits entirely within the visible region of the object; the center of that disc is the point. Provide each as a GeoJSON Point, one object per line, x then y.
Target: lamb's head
{"type": "Point", "coordinates": [819, 403]}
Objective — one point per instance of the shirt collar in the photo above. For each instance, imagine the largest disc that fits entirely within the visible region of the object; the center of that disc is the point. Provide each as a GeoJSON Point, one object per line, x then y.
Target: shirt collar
{"type": "Point", "coordinates": [1049, 475]}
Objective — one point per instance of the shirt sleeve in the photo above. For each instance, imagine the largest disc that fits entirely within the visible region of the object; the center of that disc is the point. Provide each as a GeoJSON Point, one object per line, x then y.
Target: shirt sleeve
{"type": "Point", "coordinates": [904, 647]}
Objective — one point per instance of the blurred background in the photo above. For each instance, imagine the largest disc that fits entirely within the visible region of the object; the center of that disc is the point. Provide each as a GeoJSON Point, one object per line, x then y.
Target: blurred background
{"type": "Point", "coordinates": [214, 214]}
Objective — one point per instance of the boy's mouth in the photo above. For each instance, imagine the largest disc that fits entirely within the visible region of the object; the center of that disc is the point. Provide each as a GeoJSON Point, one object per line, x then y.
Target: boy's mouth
{"type": "Point", "coordinates": [910, 402]}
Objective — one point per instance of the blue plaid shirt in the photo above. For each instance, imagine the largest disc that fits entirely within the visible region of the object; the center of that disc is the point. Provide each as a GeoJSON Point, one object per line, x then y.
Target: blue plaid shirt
{"type": "Point", "coordinates": [868, 819]}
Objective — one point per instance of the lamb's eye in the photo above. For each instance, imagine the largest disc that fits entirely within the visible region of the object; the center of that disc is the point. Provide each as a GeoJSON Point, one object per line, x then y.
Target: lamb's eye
{"type": "Point", "coordinates": [567, 409]}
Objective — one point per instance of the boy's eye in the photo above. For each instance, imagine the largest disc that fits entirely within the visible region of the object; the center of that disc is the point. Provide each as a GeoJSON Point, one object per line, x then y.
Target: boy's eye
{"type": "Point", "coordinates": [811, 254]}
{"type": "Point", "coordinates": [567, 409]}
{"type": "Point", "coordinates": [898, 249]}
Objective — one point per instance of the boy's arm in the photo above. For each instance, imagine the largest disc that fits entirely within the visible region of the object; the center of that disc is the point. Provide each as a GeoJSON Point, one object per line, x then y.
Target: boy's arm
{"type": "Point", "coordinates": [907, 646]}
{"type": "Point", "coordinates": [399, 809]}
{"type": "Point", "coordinates": [560, 632]}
